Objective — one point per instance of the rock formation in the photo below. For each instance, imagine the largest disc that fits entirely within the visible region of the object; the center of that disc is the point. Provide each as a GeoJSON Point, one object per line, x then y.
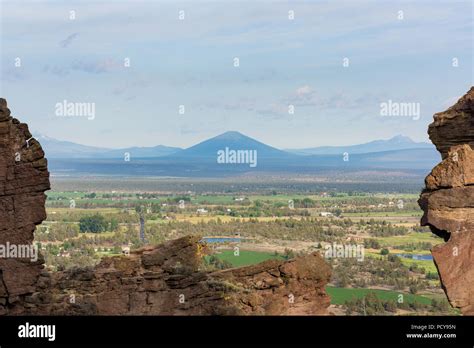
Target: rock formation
{"type": "Point", "coordinates": [448, 201]}
{"type": "Point", "coordinates": [168, 279]}
{"type": "Point", "coordinates": [23, 179]}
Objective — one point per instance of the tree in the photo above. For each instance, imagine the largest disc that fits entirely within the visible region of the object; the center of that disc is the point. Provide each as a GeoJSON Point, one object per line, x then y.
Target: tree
{"type": "Point", "coordinates": [384, 251]}
{"type": "Point", "coordinates": [432, 275]}
{"type": "Point", "coordinates": [113, 224]}
{"type": "Point", "coordinates": [342, 281]}
{"type": "Point", "coordinates": [288, 254]}
{"type": "Point", "coordinates": [373, 304]}
{"type": "Point", "coordinates": [390, 306]}
{"type": "Point", "coordinates": [413, 288]}
{"type": "Point", "coordinates": [217, 263]}
{"type": "Point", "coordinates": [442, 305]}
{"type": "Point", "coordinates": [372, 243]}
{"type": "Point", "coordinates": [94, 223]}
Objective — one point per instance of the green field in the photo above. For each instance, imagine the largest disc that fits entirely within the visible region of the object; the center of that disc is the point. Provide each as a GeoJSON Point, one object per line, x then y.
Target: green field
{"type": "Point", "coordinates": [340, 295]}
{"type": "Point", "coordinates": [246, 257]}
{"type": "Point", "coordinates": [428, 265]}
{"type": "Point", "coordinates": [401, 213]}
{"type": "Point", "coordinates": [229, 198]}
{"type": "Point", "coordinates": [412, 237]}
{"type": "Point", "coordinates": [213, 199]}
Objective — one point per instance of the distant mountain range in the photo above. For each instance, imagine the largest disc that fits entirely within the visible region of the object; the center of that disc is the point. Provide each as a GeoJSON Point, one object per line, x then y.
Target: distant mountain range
{"type": "Point", "coordinates": [398, 142]}
{"type": "Point", "coordinates": [65, 149]}
{"type": "Point", "coordinates": [233, 153]}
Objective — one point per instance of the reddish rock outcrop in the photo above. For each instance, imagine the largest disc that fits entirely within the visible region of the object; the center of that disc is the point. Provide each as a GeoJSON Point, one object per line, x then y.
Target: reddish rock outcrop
{"type": "Point", "coordinates": [448, 201]}
{"type": "Point", "coordinates": [454, 126]}
{"type": "Point", "coordinates": [23, 179]}
{"type": "Point", "coordinates": [168, 279]}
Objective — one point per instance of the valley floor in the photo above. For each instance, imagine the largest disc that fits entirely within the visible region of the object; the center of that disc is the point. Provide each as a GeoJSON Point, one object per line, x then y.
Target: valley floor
{"type": "Point", "coordinates": [392, 273]}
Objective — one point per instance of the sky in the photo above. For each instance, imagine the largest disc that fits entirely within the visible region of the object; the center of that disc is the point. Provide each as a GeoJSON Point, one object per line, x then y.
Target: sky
{"type": "Point", "coordinates": [139, 63]}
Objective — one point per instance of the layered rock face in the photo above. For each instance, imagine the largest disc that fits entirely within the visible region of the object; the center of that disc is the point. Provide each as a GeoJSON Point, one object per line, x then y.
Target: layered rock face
{"type": "Point", "coordinates": [23, 179]}
{"type": "Point", "coordinates": [448, 201]}
{"type": "Point", "coordinates": [168, 279]}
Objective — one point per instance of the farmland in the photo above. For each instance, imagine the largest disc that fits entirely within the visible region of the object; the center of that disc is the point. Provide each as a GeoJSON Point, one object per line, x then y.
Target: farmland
{"type": "Point", "coordinates": [340, 295]}
{"type": "Point", "coordinates": [271, 223]}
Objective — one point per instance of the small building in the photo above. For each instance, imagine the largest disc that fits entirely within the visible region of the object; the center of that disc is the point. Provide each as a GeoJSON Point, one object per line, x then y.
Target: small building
{"type": "Point", "coordinates": [126, 249]}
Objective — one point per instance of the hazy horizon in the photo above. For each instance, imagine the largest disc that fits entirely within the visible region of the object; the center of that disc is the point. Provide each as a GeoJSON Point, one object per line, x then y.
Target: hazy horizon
{"type": "Point", "coordinates": [36, 135]}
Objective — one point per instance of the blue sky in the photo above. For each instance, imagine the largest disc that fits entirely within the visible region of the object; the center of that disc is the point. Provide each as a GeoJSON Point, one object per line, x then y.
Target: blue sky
{"type": "Point", "coordinates": [190, 62]}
